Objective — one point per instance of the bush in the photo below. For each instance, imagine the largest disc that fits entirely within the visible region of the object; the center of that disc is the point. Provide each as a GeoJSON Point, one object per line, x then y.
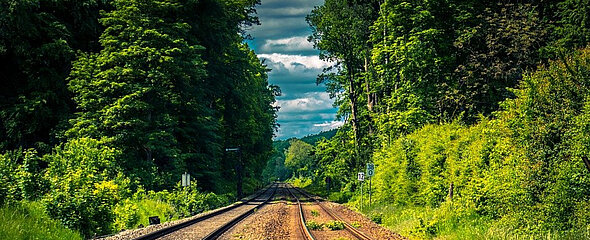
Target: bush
{"type": "Point", "coordinates": [20, 176]}
{"type": "Point", "coordinates": [340, 197]}
{"type": "Point", "coordinates": [86, 185]}
{"type": "Point", "coordinates": [301, 182]}
{"type": "Point", "coordinates": [312, 225]}
{"type": "Point", "coordinates": [523, 171]}
{"type": "Point", "coordinates": [189, 201]}
{"type": "Point", "coordinates": [315, 213]}
{"type": "Point", "coordinates": [335, 225]}
{"type": "Point", "coordinates": [126, 215]}
{"type": "Point", "coordinates": [377, 218]}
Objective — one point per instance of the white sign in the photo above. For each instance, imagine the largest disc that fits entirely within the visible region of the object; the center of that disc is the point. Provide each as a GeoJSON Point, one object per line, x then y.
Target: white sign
{"type": "Point", "coordinates": [361, 176]}
{"type": "Point", "coordinates": [370, 169]}
{"type": "Point", "coordinates": [186, 179]}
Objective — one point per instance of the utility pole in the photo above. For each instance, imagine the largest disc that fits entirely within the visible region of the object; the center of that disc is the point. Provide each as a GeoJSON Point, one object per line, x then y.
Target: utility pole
{"type": "Point", "coordinates": [239, 169]}
{"type": "Point", "coordinates": [361, 178]}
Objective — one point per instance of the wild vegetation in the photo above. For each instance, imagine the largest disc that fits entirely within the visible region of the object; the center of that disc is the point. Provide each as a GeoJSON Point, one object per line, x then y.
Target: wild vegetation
{"type": "Point", "coordinates": [104, 104]}
{"type": "Point", "coordinates": [474, 114]}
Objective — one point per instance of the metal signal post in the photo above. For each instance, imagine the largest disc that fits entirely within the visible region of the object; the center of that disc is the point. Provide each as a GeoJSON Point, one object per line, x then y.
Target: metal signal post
{"type": "Point", "coordinates": [370, 174]}
{"type": "Point", "coordinates": [361, 178]}
{"type": "Point", "coordinates": [239, 168]}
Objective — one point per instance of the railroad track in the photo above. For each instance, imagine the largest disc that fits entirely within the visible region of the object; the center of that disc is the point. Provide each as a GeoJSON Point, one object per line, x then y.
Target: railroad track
{"type": "Point", "coordinates": [302, 226]}
{"type": "Point", "coordinates": [352, 230]}
{"type": "Point", "coordinates": [214, 224]}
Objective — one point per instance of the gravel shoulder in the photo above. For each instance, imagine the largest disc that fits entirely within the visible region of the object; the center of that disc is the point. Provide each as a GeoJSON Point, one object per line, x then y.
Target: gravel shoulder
{"type": "Point", "coordinates": [135, 233]}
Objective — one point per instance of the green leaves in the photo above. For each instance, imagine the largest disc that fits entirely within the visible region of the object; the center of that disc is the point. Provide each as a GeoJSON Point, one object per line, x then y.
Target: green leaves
{"type": "Point", "coordinates": [86, 183]}
{"type": "Point", "coordinates": [299, 158]}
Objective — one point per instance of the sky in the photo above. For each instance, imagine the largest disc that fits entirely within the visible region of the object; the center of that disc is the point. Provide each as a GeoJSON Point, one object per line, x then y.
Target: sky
{"type": "Point", "coordinates": [281, 40]}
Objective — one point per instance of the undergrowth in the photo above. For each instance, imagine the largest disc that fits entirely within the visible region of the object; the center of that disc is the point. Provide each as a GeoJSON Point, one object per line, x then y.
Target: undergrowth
{"type": "Point", "coordinates": [28, 220]}
{"type": "Point", "coordinates": [442, 223]}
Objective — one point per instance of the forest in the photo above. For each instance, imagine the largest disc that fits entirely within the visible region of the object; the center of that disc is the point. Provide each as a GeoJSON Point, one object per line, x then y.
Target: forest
{"type": "Point", "coordinates": [475, 113]}
{"type": "Point", "coordinates": [104, 105]}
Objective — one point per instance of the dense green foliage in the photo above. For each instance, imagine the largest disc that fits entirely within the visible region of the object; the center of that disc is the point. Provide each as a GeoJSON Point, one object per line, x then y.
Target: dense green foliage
{"type": "Point", "coordinates": [299, 159]}
{"type": "Point", "coordinates": [275, 165]}
{"type": "Point", "coordinates": [474, 113]}
{"type": "Point", "coordinates": [102, 100]}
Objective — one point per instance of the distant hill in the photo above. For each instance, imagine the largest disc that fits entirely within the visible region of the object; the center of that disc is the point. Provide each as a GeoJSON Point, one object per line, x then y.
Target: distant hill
{"type": "Point", "coordinates": [281, 145]}
{"type": "Point", "coordinates": [313, 139]}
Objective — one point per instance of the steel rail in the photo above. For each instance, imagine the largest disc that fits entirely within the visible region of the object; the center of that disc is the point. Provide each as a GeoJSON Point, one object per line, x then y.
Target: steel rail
{"type": "Point", "coordinates": [357, 233]}
{"type": "Point", "coordinates": [167, 230]}
{"type": "Point", "coordinates": [219, 231]}
{"type": "Point", "coordinates": [302, 226]}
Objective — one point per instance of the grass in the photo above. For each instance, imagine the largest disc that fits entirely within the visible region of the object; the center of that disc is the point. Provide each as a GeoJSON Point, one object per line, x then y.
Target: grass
{"type": "Point", "coordinates": [431, 223]}
{"type": "Point", "coordinates": [148, 208]}
{"type": "Point", "coordinates": [28, 220]}
{"type": "Point", "coordinates": [356, 224]}
{"type": "Point", "coordinates": [315, 213]}
{"type": "Point", "coordinates": [443, 223]}
{"type": "Point", "coordinates": [335, 225]}
{"type": "Point", "coordinates": [312, 225]}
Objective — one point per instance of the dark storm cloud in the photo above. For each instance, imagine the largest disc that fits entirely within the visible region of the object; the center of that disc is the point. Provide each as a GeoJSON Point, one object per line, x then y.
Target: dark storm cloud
{"type": "Point", "coordinates": [281, 41]}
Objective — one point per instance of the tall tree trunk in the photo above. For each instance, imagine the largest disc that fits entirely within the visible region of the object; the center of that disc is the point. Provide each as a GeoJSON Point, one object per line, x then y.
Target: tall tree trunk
{"type": "Point", "coordinates": [370, 101]}
{"type": "Point", "coordinates": [353, 107]}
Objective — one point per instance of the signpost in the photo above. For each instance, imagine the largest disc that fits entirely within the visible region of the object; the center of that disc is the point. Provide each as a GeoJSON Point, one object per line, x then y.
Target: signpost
{"type": "Point", "coordinates": [361, 178]}
{"type": "Point", "coordinates": [186, 179]}
{"type": "Point", "coordinates": [239, 168]}
{"type": "Point", "coordinates": [370, 169]}
{"type": "Point", "coordinates": [370, 174]}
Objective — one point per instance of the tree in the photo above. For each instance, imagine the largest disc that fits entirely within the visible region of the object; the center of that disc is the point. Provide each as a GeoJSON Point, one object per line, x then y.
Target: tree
{"type": "Point", "coordinates": [38, 40]}
{"type": "Point", "coordinates": [299, 158]}
{"type": "Point", "coordinates": [340, 30]}
{"type": "Point", "coordinates": [144, 89]}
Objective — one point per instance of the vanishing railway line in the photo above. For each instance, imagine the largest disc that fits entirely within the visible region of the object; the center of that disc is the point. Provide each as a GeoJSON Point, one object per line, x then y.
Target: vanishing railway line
{"type": "Point", "coordinates": [216, 223]}
{"type": "Point", "coordinates": [352, 232]}
{"type": "Point", "coordinates": [212, 225]}
{"type": "Point", "coordinates": [304, 231]}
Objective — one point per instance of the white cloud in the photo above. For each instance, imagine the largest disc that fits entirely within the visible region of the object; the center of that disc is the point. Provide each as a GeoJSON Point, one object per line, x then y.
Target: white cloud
{"type": "Point", "coordinates": [314, 101]}
{"type": "Point", "coordinates": [287, 44]}
{"type": "Point", "coordinates": [301, 11]}
{"type": "Point", "coordinates": [329, 125]}
{"type": "Point", "coordinates": [294, 62]}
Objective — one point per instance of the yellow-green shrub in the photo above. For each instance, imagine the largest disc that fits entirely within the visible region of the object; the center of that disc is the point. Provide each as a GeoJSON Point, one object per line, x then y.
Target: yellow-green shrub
{"type": "Point", "coordinates": [86, 184]}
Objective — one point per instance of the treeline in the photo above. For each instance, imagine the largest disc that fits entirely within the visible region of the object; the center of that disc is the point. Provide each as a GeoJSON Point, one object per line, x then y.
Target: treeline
{"type": "Point", "coordinates": [279, 168]}
{"type": "Point", "coordinates": [102, 99]}
{"type": "Point", "coordinates": [469, 109]}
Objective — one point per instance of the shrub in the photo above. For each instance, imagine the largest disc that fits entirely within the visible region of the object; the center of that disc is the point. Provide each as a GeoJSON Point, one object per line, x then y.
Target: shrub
{"type": "Point", "coordinates": [335, 225]}
{"type": "Point", "coordinates": [312, 225]}
{"type": "Point", "coordinates": [340, 197]}
{"type": "Point", "coordinates": [301, 182]}
{"type": "Point", "coordinates": [315, 213]}
{"type": "Point", "coordinates": [126, 215]}
{"type": "Point", "coordinates": [523, 170]}
{"type": "Point", "coordinates": [20, 176]}
{"type": "Point", "coordinates": [356, 224]}
{"type": "Point", "coordinates": [378, 218]}
{"type": "Point", "coordinates": [85, 184]}
{"type": "Point", "coordinates": [189, 201]}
